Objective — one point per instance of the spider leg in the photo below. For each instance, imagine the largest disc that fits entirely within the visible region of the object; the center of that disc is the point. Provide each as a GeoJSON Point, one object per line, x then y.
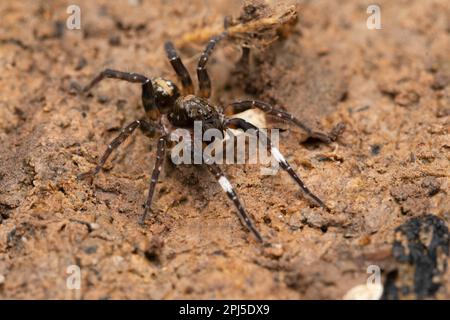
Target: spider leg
{"type": "Point", "coordinates": [241, 106]}
{"type": "Point", "coordinates": [148, 99]}
{"type": "Point", "coordinates": [180, 69]}
{"type": "Point", "coordinates": [161, 149]}
{"type": "Point", "coordinates": [115, 143]}
{"type": "Point", "coordinates": [231, 193]}
{"type": "Point", "coordinates": [239, 123]}
{"type": "Point", "coordinates": [204, 82]}
{"type": "Point", "coordinates": [114, 74]}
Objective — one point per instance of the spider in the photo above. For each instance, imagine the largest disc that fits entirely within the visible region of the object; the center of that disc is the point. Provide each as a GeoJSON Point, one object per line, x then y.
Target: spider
{"type": "Point", "coordinates": [168, 107]}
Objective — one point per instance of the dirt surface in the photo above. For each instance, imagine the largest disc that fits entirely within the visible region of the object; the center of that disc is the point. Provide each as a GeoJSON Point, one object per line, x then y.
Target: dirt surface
{"type": "Point", "coordinates": [391, 87]}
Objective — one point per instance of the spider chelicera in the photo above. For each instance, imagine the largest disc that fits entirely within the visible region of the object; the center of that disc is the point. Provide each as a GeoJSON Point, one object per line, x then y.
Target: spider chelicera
{"type": "Point", "coordinates": [167, 107]}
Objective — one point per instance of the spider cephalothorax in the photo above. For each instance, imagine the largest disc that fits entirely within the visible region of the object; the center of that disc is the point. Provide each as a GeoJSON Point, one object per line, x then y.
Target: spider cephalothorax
{"type": "Point", "coordinates": [166, 94]}
{"type": "Point", "coordinates": [167, 107]}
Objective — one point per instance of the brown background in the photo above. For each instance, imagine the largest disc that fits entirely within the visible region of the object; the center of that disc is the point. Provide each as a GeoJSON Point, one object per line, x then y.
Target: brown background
{"type": "Point", "coordinates": [390, 86]}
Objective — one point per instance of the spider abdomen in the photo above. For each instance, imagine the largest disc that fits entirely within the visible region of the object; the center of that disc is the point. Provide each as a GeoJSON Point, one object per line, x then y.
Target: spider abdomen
{"type": "Point", "coordinates": [192, 108]}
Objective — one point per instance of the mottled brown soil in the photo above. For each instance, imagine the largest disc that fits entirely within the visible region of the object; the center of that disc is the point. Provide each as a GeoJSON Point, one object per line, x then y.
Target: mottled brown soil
{"type": "Point", "coordinates": [391, 88]}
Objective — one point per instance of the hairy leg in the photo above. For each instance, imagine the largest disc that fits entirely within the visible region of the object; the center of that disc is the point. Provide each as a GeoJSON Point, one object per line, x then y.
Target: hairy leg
{"type": "Point", "coordinates": [160, 152]}
{"type": "Point", "coordinates": [231, 193]}
{"type": "Point", "coordinates": [241, 106]}
{"type": "Point", "coordinates": [180, 69]}
{"type": "Point", "coordinates": [116, 142]}
{"type": "Point", "coordinates": [204, 81]}
{"type": "Point", "coordinates": [148, 99]}
{"type": "Point", "coordinates": [238, 123]}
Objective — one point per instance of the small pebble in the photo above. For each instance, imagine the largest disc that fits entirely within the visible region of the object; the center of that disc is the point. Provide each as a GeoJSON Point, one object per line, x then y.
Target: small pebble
{"type": "Point", "coordinates": [375, 149]}
{"type": "Point", "coordinates": [94, 226]}
{"type": "Point", "coordinates": [118, 260]}
{"type": "Point", "coordinates": [90, 249]}
{"type": "Point", "coordinates": [276, 250]}
{"type": "Point", "coordinates": [102, 99]}
{"type": "Point", "coordinates": [82, 62]}
{"type": "Point", "coordinates": [407, 98]}
{"type": "Point", "coordinates": [114, 40]}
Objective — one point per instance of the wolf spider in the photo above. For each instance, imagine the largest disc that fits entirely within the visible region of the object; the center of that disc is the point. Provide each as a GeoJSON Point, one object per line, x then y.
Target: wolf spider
{"type": "Point", "coordinates": [168, 107]}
